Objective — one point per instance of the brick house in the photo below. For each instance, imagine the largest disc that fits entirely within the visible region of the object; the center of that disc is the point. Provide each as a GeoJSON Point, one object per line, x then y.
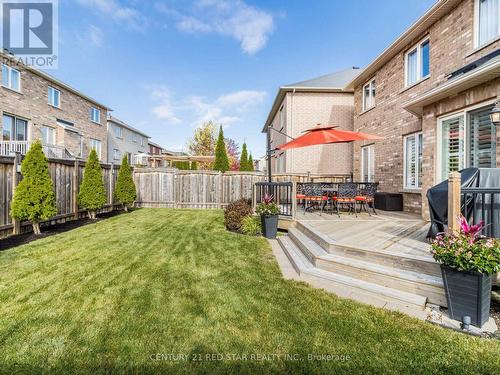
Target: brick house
{"type": "Point", "coordinates": [429, 94]}
{"type": "Point", "coordinates": [300, 106]}
{"type": "Point", "coordinates": [35, 105]}
{"type": "Point", "coordinates": [124, 139]}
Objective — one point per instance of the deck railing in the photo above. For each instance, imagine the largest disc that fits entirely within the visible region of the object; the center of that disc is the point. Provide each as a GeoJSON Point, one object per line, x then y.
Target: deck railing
{"type": "Point", "coordinates": [282, 193]}
{"type": "Point", "coordinates": [9, 148]}
{"type": "Point", "coordinates": [476, 204]}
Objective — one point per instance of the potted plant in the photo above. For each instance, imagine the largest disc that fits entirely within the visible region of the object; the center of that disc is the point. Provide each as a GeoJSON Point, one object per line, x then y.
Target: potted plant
{"type": "Point", "coordinates": [268, 211]}
{"type": "Point", "coordinates": [468, 263]}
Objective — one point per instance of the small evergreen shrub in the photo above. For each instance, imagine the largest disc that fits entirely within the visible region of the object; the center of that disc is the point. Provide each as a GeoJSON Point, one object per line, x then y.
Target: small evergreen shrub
{"type": "Point", "coordinates": [34, 198]}
{"type": "Point", "coordinates": [244, 158]}
{"type": "Point", "coordinates": [221, 162]}
{"type": "Point", "coordinates": [92, 195]}
{"type": "Point", "coordinates": [235, 212]}
{"type": "Point", "coordinates": [251, 226]}
{"type": "Point", "coordinates": [125, 192]}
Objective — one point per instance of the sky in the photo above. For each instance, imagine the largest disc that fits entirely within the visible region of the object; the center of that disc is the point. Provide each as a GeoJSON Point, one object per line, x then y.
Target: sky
{"type": "Point", "coordinates": [167, 66]}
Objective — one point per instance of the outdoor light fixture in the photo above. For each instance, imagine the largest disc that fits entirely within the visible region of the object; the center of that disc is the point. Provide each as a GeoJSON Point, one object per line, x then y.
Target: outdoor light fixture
{"type": "Point", "coordinates": [495, 114]}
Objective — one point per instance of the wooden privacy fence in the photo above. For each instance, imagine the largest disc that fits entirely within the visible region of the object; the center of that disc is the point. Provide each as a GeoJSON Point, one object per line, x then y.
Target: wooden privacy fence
{"type": "Point", "coordinates": [66, 176]}
{"type": "Point", "coordinates": [164, 187]}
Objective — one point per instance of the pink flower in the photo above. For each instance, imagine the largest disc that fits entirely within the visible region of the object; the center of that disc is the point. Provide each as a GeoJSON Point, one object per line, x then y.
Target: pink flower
{"type": "Point", "coordinates": [268, 199]}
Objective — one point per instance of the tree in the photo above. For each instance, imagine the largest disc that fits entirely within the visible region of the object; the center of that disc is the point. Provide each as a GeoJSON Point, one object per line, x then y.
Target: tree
{"type": "Point", "coordinates": [233, 154]}
{"type": "Point", "coordinates": [203, 142]}
{"type": "Point", "coordinates": [92, 195]}
{"type": "Point", "coordinates": [244, 158]}
{"type": "Point", "coordinates": [125, 192]}
{"type": "Point", "coordinates": [34, 198]}
{"type": "Point", "coordinates": [250, 163]}
{"type": "Point", "coordinates": [194, 165]}
{"type": "Point", "coordinates": [221, 162]}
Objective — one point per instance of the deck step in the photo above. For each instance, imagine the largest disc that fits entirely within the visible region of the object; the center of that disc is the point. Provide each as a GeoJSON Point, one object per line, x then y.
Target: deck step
{"type": "Point", "coordinates": [395, 278]}
{"type": "Point", "coordinates": [348, 287]}
{"type": "Point", "coordinates": [407, 262]}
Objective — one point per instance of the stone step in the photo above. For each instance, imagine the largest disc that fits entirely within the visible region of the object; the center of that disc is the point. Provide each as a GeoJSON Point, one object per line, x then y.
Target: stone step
{"type": "Point", "coordinates": [395, 278]}
{"type": "Point", "coordinates": [348, 287]}
{"type": "Point", "coordinates": [407, 262]}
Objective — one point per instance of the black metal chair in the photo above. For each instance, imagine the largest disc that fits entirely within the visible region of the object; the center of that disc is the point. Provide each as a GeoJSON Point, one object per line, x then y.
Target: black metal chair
{"type": "Point", "coordinates": [346, 196]}
{"type": "Point", "coordinates": [314, 195]}
{"type": "Point", "coordinates": [366, 197]}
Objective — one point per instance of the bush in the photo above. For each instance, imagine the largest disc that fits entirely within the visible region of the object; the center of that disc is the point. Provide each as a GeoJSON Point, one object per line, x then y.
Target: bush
{"type": "Point", "coordinates": [34, 197]}
{"type": "Point", "coordinates": [221, 162]}
{"type": "Point", "coordinates": [92, 195]}
{"type": "Point", "coordinates": [251, 226]}
{"type": "Point", "coordinates": [235, 212]}
{"type": "Point", "coordinates": [125, 192]}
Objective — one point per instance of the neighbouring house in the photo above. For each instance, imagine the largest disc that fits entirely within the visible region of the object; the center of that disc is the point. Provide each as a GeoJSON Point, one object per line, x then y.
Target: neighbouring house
{"type": "Point", "coordinates": [155, 151]}
{"type": "Point", "coordinates": [124, 139]}
{"type": "Point", "coordinates": [301, 106]}
{"type": "Point", "coordinates": [430, 94]}
{"type": "Point", "coordinates": [35, 105]}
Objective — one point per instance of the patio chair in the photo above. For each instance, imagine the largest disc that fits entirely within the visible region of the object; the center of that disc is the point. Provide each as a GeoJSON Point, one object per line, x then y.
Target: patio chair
{"type": "Point", "coordinates": [346, 196]}
{"type": "Point", "coordinates": [314, 195]}
{"type": "Point", "coordinates": [366, 197]}
{"type": "Point", "coordinates": [300, 197]}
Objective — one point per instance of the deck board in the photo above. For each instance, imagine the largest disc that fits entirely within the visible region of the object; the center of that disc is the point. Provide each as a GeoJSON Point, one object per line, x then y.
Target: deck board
{"type": "Point", "coordinates": [396, 232]}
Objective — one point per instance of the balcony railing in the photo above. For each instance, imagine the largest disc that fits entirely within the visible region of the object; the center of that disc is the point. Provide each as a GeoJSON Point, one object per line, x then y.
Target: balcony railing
{"type": "Point", "coordinates": [8, 148]}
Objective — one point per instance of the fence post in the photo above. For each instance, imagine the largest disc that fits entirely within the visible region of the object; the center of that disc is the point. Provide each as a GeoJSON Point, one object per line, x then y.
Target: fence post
{"type": "Point", "coordinates": [454, 200]}
{"type": "Point", "coordinates": [76, 185]}
{"type": "Point", "coordinates": [294, 199]}
{"type": "Point", "coordinates": [254, 196]}
{"type": "Point", "coordinates": [16, 229]}
{"type": "Point", "coordinates": [221, 190]}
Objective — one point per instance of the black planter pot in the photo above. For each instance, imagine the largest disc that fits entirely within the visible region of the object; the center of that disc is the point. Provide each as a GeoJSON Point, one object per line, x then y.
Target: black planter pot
{"type": "Point", "coordinates": [467, 294]}
{"type": "Point", "coordinates": [269, 225]}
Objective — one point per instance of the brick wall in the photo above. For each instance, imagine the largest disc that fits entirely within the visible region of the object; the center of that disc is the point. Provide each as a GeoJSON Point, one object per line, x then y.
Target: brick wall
{"type": "Point", "coordinates": [32, 104]}
{"type": "Point", "coordinates": [303, 110]}
{"type": "Point", "coordinates": [452, 47]}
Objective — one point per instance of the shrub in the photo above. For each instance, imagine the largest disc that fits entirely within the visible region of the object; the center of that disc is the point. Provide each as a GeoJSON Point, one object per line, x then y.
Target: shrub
{"type": "Point", "coordinates": [34, 197]}
{"type": "Point", "coordinates": [221, 162]}
{"type": "Point", "coordinates": [235, 212]}
{"type": "Point", "coordinates": [125, 192]}
{"type": "Point", "coordinates": [251, 226]}
{"type": "Point", "coordinates": [244, 158]}
{"type": "Point", "coordinates": [92, 195]}
{"type": "Point", "coordinates": [467, 250]}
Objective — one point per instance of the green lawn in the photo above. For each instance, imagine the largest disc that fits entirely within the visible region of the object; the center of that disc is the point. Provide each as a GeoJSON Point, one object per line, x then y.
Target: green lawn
{"type": "Point", "coordinates": [125, 293]}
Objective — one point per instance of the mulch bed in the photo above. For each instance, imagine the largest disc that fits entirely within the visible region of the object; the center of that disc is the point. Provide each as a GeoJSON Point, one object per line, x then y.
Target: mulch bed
{"type": "Point", "coordinates": [47, 231]}
{"type": "Point", "coordinates": [495, 309]}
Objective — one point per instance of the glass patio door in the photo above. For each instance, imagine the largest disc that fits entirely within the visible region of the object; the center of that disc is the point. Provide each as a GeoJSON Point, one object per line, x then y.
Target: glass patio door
{"type": "Point", "coordinates": [367, 163]}
{"type": "Point", "coordinates": [482, 139]}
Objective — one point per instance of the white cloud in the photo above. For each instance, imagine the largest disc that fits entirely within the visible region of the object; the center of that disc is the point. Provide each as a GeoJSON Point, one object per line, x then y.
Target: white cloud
{"type": "Point", "coordinates": [116, 11]}
{"type": "Point", "coordinates": [249, 25]}
{"type": "Point", "coordinates": [95, 35]}
{"type": "Point", "coordinates": [226, 109]}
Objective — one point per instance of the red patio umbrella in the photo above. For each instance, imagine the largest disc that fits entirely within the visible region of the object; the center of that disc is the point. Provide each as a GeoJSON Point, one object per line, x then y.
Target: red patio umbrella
{"type": "Point", "coordinates": [325, 134]}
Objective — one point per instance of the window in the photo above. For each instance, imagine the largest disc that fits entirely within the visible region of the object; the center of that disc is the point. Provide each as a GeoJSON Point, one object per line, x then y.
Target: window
{"type": "Point", "coordinates": [129, 157]}
{"type": "Point", "coordinates": [118, 132]}
{"type": "Point", "coordinates": [95, 115]}
{"type": "Point", "coordinates": [367, 163]}
{"type": "Point", "coordinates": [54, 97]}
{"type": "Point", "coordinates": [413, 161]}
{"type": "Point", "coordinates": [369, 95]}
{"type": "Point", "coordinates": [116, 154]}
{"type": "Point", "coordinates": [134, 137]}
{"type": "Point", "coordinates": [96, 145]}
{"type": "Point", "coordinates": [282, 118]}
{"type": "Point", "coordinates": [14, 129]}
{"type": "Point", "coordinates": [468, 139]}
{"type": "Point", "coordinates": [142, 141]}
{"type": "Point", "coordinates": [417, 62]}
{"type": "Point", "coordinates": [11, 78]}
{"type": "Point", "coordinates": [487, 21]}
{"type": "Point", "coordinates": [48, 135]}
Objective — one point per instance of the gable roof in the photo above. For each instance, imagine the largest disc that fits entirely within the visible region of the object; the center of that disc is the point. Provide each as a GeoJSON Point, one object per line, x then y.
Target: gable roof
{"type": "Point", "coordinates": [333, 82]}
{"type": "Point", "coordinates": [125, 125]}
{"type": "Point", "coordinates": [437, 11]}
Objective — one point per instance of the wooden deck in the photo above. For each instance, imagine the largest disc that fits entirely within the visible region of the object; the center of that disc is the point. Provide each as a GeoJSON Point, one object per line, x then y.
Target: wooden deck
{"type": "Point", "coordinates": [395, 232]}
